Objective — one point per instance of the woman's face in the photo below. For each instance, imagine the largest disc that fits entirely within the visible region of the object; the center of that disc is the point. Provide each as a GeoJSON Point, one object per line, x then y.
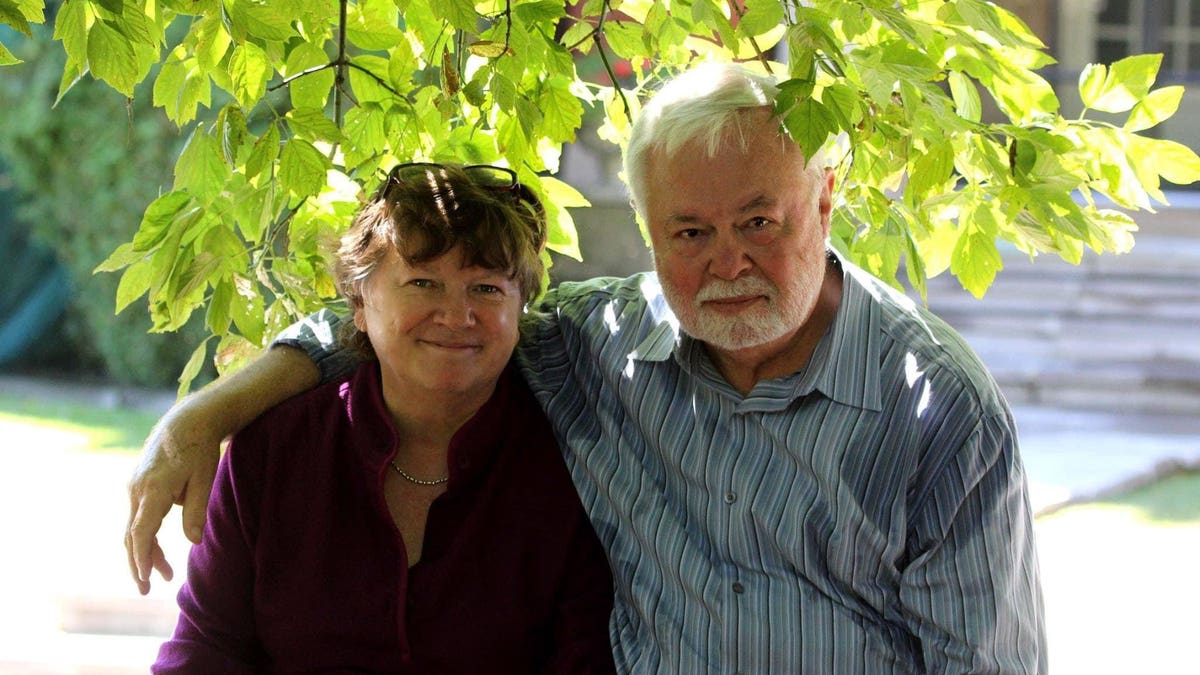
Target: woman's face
{"type": "Point", "coordinates": [439, 326]}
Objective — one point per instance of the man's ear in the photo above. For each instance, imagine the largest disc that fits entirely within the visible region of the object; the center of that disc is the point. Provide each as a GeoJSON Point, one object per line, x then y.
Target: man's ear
{"type": "Point", "coordinates": [825, 203]}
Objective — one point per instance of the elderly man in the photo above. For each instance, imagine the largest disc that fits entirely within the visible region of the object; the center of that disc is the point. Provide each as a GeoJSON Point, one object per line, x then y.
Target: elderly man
{"type": "Point", "coordinates": [791, 467]}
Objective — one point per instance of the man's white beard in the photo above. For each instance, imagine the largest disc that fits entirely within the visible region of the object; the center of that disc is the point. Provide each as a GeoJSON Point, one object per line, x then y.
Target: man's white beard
{"type": "Point", "coordinates": [759, 324]}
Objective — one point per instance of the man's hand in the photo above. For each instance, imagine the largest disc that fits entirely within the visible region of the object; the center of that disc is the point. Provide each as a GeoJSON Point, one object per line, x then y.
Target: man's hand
{"type": "Point", "coordinates": [180, 457]}
{"type": "Point", "coordinates": [179, 461]}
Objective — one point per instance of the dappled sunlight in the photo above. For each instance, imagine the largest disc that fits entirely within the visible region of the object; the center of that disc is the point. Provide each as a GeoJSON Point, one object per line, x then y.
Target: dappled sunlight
{"type": "Point", "coordinates": [914, 375]}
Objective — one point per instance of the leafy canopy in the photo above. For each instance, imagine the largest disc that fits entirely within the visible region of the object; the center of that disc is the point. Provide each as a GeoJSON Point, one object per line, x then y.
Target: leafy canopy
{"type": "Point", "coordinates": [294, 108]}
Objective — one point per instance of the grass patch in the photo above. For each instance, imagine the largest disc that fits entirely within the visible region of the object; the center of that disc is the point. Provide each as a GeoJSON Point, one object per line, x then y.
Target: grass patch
{"type": "Point", "coordinates": [105, 430]}
{"type": "Point", "coordinates": [1173, 500]}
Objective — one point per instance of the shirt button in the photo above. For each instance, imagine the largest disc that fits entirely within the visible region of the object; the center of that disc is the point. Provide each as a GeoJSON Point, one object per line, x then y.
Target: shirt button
{"type": "Point", "coordinates": [738, 587]}
{"type": "Point", "coordinates": [730, 497]}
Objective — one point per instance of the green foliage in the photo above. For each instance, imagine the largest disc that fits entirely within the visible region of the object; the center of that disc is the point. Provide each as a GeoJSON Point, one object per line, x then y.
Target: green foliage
{"type": "Point", "coordinates": [83, 172]}
{"type": "Point", "coordinates": [310, 100]}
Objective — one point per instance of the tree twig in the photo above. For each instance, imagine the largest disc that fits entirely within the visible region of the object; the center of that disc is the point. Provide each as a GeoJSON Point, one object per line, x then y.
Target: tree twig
{"type": "Point", "coordinates": [596, 35]}
{"type": "Point", "coordinates": [762, 57]}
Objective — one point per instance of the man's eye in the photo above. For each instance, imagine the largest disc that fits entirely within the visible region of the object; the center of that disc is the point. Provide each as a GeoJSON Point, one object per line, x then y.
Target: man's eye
{"type": "Point", "coordinates": [689, 233]}
{"type": "Point", "coordinates": [421, 283]}
{"type": "Point", "coordinates": [760, 231]}
{"type": "Point", "coordinates": [488, 288]}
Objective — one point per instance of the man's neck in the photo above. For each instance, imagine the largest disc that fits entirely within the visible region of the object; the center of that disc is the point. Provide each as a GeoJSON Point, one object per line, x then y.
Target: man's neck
{"type": "Point", "coordinates": [744, 368]}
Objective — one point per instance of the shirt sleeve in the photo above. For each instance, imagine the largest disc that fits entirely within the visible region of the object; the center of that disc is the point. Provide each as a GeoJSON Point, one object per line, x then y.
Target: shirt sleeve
{"type": "Point", "coordinates": [971, 591]}
{"type": "Point", "coordinates": [316, 335]}
{"type": "Point", "coordinates": [216, 630]}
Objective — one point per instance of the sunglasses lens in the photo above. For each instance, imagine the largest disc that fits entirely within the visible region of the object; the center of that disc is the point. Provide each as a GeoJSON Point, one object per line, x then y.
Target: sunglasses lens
{"type": "Point", "coordinates": [492, 177]}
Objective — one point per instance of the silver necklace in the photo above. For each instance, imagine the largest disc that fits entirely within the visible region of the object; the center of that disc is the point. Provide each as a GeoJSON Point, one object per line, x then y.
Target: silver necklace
{"type": "Point", "coordinates": [417, 481]}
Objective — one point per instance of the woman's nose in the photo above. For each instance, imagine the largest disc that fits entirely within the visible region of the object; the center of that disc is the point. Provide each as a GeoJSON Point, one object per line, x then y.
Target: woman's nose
{"type": "Point", "coordinates": [457, 311]}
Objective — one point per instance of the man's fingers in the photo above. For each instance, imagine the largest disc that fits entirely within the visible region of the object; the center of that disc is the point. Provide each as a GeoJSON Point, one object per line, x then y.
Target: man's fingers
{"type": "Point", "coordinates": [143, 586]}
{"type": "Point", "coordinates": [195, 502]}
{"type": "Point", "coordinates": [159, 560]}
{"type": "Point", "coordinates": [147, 513]}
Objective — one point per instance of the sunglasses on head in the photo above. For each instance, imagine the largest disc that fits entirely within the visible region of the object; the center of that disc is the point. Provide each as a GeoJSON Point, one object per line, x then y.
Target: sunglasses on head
{"type": "Point", "coordinates": [492, 178]}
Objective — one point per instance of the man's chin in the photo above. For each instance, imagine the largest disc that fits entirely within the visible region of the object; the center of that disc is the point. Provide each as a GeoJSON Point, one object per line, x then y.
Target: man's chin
{"type": "Point", "coordinates": [733, 336]}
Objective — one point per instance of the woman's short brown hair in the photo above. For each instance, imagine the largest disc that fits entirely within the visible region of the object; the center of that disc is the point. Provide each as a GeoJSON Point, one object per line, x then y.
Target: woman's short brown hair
{"type": "Point", "coordinates": [424, 211]}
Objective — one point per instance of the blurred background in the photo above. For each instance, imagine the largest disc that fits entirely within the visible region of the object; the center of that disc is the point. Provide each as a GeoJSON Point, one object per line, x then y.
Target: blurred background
{"type": "Point", "coordinates": [1101, 362]}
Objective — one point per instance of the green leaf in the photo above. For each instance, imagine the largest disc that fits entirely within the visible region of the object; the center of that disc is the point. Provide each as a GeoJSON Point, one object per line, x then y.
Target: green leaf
{"type": "Point", "coordinates": [625, 38]}
{"type": "Point", "coordinates": [111, 58]}
{"type": "Point", "coordinates": [562, 113]}
{"type": "Point", "coordinates": [264, 152]}
{"type": "Point", "coordinates": [122, 257]}
{"type": "Point", "coordinates": [1127, 82]}
{"type": "Point", "coordinates": [246, 308]}
{"type": "Point", "coordinates": [310, 90]}
{"type": "Point", "coordinates": [201, 171]}
{"type": "Point", "coordinates": [545, 12]}
{"type": "Point", "coordinates": [192, 369]}
{"type": "Point", "coordinates": [931, 170]}
{"type": "Point", "coordinates": [1091, 83]}
{"type": "Point", "coordinates": [266, 20]}
{"type": "Point", "coordinates": [134, 283]}
{"type": "Point", "coordinates": [760, 17]}
{"type": "Point", "coordinates": [372, 25]}
{"type": "Point", "coordinates": [302, 168]}
{"type": "Point", "coordinates": [458, 13]}
{"type": "Point", "coordinates": [180, 89]}
{"type": "Point", "coordinates": [6, 57]}
{"type": "Point", "coordinates": [231, 123]}
{"type": "Point", "coordinates": [253, 210]}
{"type": "Point", "coordinates": [966, 96]}
{"type": "Point", "coordinates": [212, 42]}
{"type": "Point", "coordinates": [1174, 161]}
{"type": "Point", "coordinates": [133, 23]}
{"type": "Point", "coordinates": [70, 28]}
{"type": "Point", "coordinates": [1023, 95]}
{"type": "Point", "coordinates": [250, 72]}
{"type": "Point", "coordinates": [10, 14]}
{"type": "Point", "coordinates": [114, 6]}
{"type": "Point", "coordinates": [367, 87]}
{"type": "Point", "coordinates": [313, 125]}
{"type": "Point", "coordinates": [976, 260]}
{"type": "Point", "coordinates": [1158, 105]}
{"type": "Point", "coordinates": [218, 319]}
{"type": "Point", "coordinates": [365, 132]}
{"type": "Point", "coordinates": [157, 219]}
{"type": "Point", "coordinates": [810, 122]}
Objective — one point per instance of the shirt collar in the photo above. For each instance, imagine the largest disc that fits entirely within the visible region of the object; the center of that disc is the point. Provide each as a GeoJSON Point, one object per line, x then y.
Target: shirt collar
{"type": "Point", "coordinates": [844, 365]}
{"type": "Point", "coordinates": [472, 449]}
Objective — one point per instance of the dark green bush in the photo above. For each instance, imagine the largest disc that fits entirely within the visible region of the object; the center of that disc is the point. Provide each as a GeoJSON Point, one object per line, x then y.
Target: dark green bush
{"type": "Point", "coordinates": [82, 172]}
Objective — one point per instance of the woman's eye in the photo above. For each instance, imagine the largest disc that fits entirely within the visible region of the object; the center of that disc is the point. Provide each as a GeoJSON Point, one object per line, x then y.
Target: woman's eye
{"type": "Point", "coordinates": [488, 288]}
{"type": "Point", "coordinates": [421, 283]}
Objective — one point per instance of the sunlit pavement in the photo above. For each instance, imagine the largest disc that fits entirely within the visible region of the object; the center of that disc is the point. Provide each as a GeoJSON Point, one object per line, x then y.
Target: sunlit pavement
{"type": "Point", "coordinates": [65, 584]}
{"type": "Point", "coordinates": [1113, 604]}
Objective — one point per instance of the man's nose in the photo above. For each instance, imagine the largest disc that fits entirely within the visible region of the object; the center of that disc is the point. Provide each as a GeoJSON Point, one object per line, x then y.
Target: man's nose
{"type": "Point", "coordinates": [729, 257]}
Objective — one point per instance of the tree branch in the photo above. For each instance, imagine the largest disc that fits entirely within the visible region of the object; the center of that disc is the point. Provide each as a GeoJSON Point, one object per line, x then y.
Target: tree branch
{"type": "Point", "coordinates": [596, 35]}
{"type": "Point", "coordinates": [762, 58]}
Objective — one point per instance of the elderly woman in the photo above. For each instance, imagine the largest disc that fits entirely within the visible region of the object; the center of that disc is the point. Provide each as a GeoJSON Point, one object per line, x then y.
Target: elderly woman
{"type": "Point", "coordinates": [417, 517]}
